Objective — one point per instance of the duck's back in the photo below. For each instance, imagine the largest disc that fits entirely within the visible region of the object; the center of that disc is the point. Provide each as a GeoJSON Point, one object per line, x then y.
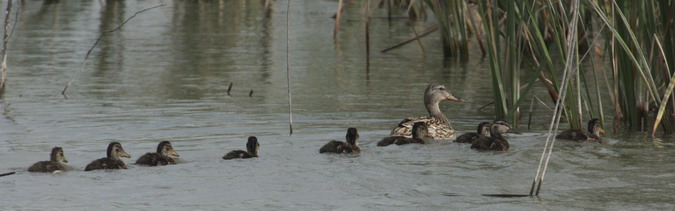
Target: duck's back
{"type": "Point", "coordinates": [436, 129]}
{"type": "Point", "coordinates": [573, 134]}
{"type": "Point", "coordinates": [46, 166]}
{"type": "Point", "coordinates": [398, 140]}
{"type": "Point", "coordinates": [491, 144]}
{"type": "Point", "coordinates": [467, 138]}
{"type": "Point", "coordinates": [234, 154]}
{"type": "Point", "coordinates": [336, 147]}
{"type": "Point", "coordinates": [105, 163]}
{"type": "Point", "coordinates": [155, 159]}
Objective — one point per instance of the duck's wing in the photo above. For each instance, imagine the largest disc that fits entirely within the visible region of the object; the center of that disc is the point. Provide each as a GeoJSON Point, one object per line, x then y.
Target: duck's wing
{"type": "Point", "coordinates": [404, 127]}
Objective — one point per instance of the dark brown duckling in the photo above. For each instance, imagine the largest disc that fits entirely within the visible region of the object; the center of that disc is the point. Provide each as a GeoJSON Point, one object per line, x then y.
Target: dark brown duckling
{"type": "Point", "coordinates": [112, 161]}
{"type": "Point", "coordinates": [483, 129]}
{"type": "Point", "coordinates": [593, 134]}
{"type": "Point", "coordinates": [55, 163]}
{"type": "Point", "coordinates": [419, 131]}
{"type": "Point", "coordinates": [495, 142]}
{"type": "Point", "coordinates": [159, 158]}
{"type": "Point", "coordinates": [351, 146]}
{"type": "Point", "coordinates": [252, 147]}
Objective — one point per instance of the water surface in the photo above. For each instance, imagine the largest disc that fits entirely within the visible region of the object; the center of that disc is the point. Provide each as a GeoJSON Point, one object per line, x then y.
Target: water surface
{"type": "Point", "coordinates": [164, 76]}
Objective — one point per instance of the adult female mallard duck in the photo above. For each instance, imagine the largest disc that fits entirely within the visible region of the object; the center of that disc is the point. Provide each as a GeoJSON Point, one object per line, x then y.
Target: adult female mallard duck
{"type": "Point", "coordinates": [593, 134]}
{"type": "Point", "coordinates": [252, 147]}
{"type": "Point", "coordinates": [159, 158]}
{"type": "Point", "coordinates": [419, 131]}
{"type": "Point", "coordinates": [55, 162]}
{"type": "Point", "coordinates": [437, 124]}
{"type": "Point", "coordinates": [484, 130]}
{"type": "Point", "coordinates": [495, 142]}
{"type": "Point", "coordinates": [112, 161]}
{"type": "Point", "coordinates": [351, 146]}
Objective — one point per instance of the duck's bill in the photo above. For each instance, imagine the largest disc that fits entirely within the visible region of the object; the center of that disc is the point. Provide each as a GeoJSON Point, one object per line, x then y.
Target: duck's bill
{"type": "Point", "coordinates": [453, 98]}
{"type": "Point", "coordinates": [65, 160]}
{"type": "Point", "coordinates": [173, 153]}
{"type": "Point", "coordinates": [602, 131]}
{"type": "Point", "coordinates": [124, 154]}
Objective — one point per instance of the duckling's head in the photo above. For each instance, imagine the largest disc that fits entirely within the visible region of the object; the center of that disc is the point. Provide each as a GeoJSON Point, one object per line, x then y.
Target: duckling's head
{"type": "Point", "coordinates": [252, 146]}
{"type": "Point", "coordinates": [504, 127]}
{"type": "Point", "coordinates": [115, 151]}
{"type": "Point", "coordinates": [437, 92]}
{"type": "Point", "coordinates": [484, 128]}
{"type": "Point", "coordinates": [165, 148]}
{"type": "Point", "coordinates": [419, 130]}
{"type": "Point", "coordinates": [58, 156]}
{"type": "Point", "coordinates": [352, 136]}
{"type": "Point", "coordinates": [594, 127]}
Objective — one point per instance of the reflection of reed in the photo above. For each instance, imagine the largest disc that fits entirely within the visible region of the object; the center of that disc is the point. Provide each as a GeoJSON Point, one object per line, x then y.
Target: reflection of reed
{"type": "Point", "coordinates": [84, 63]}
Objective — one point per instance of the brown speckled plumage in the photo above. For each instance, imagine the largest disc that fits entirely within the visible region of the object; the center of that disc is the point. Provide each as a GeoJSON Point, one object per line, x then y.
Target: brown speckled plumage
{"type": "Point", "coordinates": [418, 133]}
{"type": "Point", "coordinates": [438, 127]}
{"type": "Point", "coordinates": [55, 163]}
{"type": "Point", "coordinates": [351, 146]}
{"type": "Point", "coordinates": [592, 135]}
{"type": "Point", "coordinates": [161, 157]}
{"type": "Point", "coordinates": [252, 147]}
{"type": "Point", "coordinates": [112, 161]}
{"type": "Point", "coordinates": [493, 143]}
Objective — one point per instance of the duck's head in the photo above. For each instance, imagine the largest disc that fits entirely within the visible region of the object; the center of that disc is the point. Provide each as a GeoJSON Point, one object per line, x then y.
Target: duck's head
{"type": "Point", "coordinates": [504, 127]}
{"type": "Point", "coordinates": [252, 146]}
{"type": "Point", "coordinates": [437, 92]}
{"type": "Point", "coordinates": [419, 130]}
{"type": "Point", "coordinates": [115, 151]}
{"type": "Point", "coordinates": [58, 156]}
{"type": "Point", "coordinates": [352, 136]}
{"type": "Point", "coordinates": [165, 148]}
{"type": "Point", "coordinates": [594, 127]}
{"type": "Point", "coordinates": [484, 128]}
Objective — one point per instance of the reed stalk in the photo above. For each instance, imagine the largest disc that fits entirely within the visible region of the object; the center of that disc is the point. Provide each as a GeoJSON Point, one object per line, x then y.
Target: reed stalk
{"type": "Point", "coordinates": [5, 41]}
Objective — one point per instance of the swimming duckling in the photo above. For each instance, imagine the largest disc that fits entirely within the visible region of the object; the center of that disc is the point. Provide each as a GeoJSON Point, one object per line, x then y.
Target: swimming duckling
{"type": "Point", "coordinates": [112, 161]}
{"type": "Point", "coordinates": [252, 147]}
{"type": "Point", "coordinates": [418, 133]}
{"type": "Point", "coordinates": [437, 123]}
{"type": "Point", "coordinates": [159, 158]}
{"type": "Point", "coordinates": [55, 162]}
{"type": "Point", "coordinates": [483, 129]}
{"type": "Point", "coordinates": [351, 146]}
{"type": "Point", "coordinates": [593, 134]}
{"type": "Point", "coordinates": [495, 142]}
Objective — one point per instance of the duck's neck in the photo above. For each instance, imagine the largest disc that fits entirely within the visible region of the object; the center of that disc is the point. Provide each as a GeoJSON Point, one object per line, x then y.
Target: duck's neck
{"type": "Point", "coordinates": [114, 156]}
{"type": "Point", "coordinates": [435, 111]}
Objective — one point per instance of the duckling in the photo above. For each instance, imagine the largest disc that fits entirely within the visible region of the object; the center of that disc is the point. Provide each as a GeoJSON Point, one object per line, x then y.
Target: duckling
{"type": "Point", "coordinates": [159, 158]}
{"type": "Point", "coordinates": [252, 147]}
{"type": "Point", "coordinates": [351, 146]}
{"type": "Point", "coordinates": [437, 124]}
{"type": "Point", "coordinates": [483, 129]}
{"type": "Point", "coordinates": [55, 162]}
{"type": "Point", "coordinates": [112, 161]}
{"type": "Point", "coordinates": [495, 142]}
{"type": "Point", "coordinates": [593, 134]}
{"type": "Point", "coordinates": [419, 131]}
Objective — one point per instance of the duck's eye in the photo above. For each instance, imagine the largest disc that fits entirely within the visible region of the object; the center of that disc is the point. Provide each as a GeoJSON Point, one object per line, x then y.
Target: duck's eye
{"type": "Point", "coordinates": [441, 88]}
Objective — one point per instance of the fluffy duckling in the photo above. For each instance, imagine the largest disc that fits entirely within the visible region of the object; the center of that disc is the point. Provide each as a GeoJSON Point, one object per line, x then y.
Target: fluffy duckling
{"type": "Point", "coordinates": [418, 133]}
{"type": "Point", "coordinates": [112, 161]}
{"type": "Point", "coordinates": [483, 129]}
{"type": "Point", "coordinates": [159, 158]}
{"type": "Point", "coordinates": [437, 123]}
{"type": "Point", "coordinates": [593, 134]}
{"type": "Point", "coordinates": [252, 147]}
{"type": "Point", "coordinates": [351, 146]}
{"type": "Point", "coordinates": [495, 142]}
{"type": "Point", "coordinates": [55, 163]}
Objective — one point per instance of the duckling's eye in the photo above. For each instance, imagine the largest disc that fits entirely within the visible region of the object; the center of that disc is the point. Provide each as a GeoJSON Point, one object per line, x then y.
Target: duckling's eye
{"type": "Point", "coordinates": [441, 88]}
